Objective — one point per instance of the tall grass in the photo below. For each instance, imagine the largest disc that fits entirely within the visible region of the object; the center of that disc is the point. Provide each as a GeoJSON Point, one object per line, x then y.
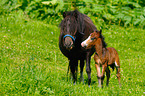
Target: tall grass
{"type": "Point", "coordinates": [32, 64]}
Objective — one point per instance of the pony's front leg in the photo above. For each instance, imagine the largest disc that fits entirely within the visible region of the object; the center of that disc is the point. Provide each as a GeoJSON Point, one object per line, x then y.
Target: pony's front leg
{"type": "Point", "coordinates": [88, 69]}
{"type": "Point", "coordinates": [81, 70]}
{"type": "Point", "coordinates": [74, 66]}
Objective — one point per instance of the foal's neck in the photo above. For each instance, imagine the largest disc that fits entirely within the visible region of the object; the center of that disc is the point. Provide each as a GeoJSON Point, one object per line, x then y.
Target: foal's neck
{"type": "Point", "coordinates": [99, 48]}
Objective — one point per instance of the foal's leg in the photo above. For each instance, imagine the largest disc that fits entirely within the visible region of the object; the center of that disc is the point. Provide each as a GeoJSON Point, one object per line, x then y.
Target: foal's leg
{"type": "Point", "coordinates": [81, 70]}
{"type": "Point", "coordinates": [98, 74]}
{"type": "Point", "coordinates": [73, 66]}
{"type": "Point", "coordinates": [103, 72]}
{"type": "Point", "coordinates": [108, 75]}
{"type": "Point", "coordinates": [117, 65]}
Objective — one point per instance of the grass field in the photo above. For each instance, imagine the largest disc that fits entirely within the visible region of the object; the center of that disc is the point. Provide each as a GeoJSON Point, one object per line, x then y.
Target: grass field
{"type": "Point", "coordinates": [32, 64]}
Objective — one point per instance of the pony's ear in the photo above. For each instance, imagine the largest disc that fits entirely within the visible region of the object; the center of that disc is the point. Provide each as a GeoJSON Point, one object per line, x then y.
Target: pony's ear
{"type": "Point", "coordinates": [75, 14]}
{"type": "Point", "coordinates": [64, 14]}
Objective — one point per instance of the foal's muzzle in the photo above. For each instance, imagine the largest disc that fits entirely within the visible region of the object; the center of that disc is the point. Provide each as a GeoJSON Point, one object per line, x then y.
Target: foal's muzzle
{"type": "Point", "coordinates": [83, 45]}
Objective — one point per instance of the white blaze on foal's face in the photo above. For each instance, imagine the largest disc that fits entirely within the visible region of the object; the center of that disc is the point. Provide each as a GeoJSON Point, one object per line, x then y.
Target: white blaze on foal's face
{"type": "Point", "coordinates": [86, 42]}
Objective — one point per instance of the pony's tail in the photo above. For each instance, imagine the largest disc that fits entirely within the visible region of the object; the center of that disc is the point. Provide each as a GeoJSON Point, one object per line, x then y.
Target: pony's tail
{"type": "Point", "coordinates": [68, 70]}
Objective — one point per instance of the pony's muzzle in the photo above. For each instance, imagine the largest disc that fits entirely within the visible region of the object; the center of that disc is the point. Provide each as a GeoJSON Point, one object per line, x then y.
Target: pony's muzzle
{"type": "Point", "coordinates": [68, 43]}
{"type": "Point", "coordinates": [69, 47]}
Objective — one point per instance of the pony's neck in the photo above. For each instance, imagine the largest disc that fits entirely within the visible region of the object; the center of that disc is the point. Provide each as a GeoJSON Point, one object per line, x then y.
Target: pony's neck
{"type": "Point", "coordinates": [99, 48]}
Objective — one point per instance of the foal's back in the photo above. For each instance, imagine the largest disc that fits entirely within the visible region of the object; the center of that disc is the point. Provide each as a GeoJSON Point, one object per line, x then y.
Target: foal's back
{"type": "Point", "coordinates": [113, 56]}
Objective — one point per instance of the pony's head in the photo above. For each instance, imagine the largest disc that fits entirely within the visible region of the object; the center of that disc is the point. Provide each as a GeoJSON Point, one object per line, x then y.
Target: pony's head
{"type": "Point", "coordinates": [69, 27]}
{"type": "Point", "coordinates": [91, 40]}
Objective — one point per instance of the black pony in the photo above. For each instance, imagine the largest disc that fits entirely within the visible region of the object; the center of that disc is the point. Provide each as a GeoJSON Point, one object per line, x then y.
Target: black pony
{"type": "Point", "coordinates": [75, 28]}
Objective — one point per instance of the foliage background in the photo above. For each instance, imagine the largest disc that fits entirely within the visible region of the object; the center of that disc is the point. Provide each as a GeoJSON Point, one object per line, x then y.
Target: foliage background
{"type": "Point", "coordinates": [31, 63]}
{"type": "Point", "coordinates": [119, 12]}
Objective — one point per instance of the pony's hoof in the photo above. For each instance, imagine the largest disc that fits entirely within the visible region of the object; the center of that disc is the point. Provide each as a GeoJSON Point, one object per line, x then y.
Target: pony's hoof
{"type": "Point", "coordinates": [74, 83]}
{"type": "Point", "coordinates": [82, 80]}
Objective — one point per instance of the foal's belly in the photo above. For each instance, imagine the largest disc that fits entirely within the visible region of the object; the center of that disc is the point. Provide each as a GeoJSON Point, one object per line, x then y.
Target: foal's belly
{"type": "Point", "coordinates": [111, 55]}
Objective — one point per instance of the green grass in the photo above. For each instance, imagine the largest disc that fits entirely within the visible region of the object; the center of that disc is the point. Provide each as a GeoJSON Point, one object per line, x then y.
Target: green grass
{"type": "Point", "coordinates": [32, 64]}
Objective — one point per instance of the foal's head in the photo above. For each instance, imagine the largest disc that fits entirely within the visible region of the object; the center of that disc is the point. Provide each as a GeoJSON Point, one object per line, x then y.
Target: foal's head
{"type": "Point", "coordinates": [91, 40]}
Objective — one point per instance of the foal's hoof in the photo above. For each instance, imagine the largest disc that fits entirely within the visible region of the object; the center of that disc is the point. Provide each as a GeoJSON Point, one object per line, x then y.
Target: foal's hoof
{"type": "Point", "coordinates": [100, 86]}
{"type": "Point", "coordinates": [120, 85]}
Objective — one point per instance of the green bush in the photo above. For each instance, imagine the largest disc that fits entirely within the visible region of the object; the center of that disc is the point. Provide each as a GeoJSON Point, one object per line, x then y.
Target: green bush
{"type": "Point", "coordinates": [119, 12]}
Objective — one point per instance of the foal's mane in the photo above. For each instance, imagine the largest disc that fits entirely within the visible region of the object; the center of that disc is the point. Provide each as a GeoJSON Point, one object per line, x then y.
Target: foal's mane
{"type": "Point", "coordinates": [103, 39]}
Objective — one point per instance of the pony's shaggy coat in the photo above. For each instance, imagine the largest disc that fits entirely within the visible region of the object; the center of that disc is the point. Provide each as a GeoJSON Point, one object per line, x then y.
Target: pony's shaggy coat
{"type": "Point", "coordinates": [79, 26]}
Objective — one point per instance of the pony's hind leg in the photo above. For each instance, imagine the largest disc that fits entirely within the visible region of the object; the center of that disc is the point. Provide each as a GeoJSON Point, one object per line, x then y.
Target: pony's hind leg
{"type": "Point", "coordinates": [68, 72]}
{"type": "Point", "coordinates": [117, 65]}
{"type": "Point", "coordinates": [108, 75]}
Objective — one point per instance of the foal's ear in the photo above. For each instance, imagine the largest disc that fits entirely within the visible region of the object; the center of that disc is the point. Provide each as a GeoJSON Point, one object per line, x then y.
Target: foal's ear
{"type": "Point", "coordinates": [64, 14]}
{"type": "Point", "coordinates": [100, 31]}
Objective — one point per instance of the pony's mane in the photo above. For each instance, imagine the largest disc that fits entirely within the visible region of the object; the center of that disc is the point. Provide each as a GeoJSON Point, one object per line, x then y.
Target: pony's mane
{"type": "Point", "coordinates": [81, 19]}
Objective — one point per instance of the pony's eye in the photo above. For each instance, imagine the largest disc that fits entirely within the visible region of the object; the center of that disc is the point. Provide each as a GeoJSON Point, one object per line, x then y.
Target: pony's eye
{"type": "Point", "coordinates": [93, 38]}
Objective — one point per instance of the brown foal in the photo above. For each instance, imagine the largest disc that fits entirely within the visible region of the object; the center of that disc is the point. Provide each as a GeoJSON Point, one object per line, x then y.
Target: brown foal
{"type": "Point", "coordinates": [103, 57]}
